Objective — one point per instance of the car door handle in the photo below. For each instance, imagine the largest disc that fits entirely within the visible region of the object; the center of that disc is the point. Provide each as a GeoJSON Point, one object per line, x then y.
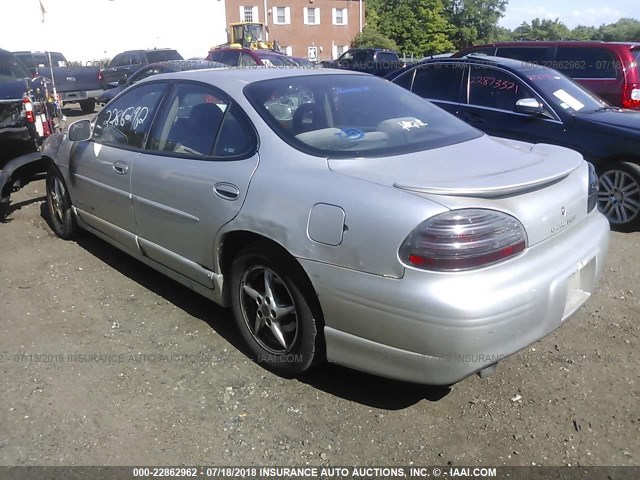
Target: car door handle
{"type": "Point", "coordinates": [121, 167]}
{"type": "Point", "coordinates": [227, 191]}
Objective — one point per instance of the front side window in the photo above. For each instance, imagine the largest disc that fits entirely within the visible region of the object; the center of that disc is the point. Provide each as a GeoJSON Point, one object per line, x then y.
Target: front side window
{"type": "Point", "coordinates": [163, 56]}
{"type": "Point", "coordinates": [496, 89]}
{"type": "Point", "coordinates": [562, 93]}
{"type": "Point", "coordinates": [127, 119]}
{"type": "Point", "coordinates": [199, 122]}
{"type": "Point", "coordinates": [349, 116]}
{"type": "Point", "coordinates": [438, 82]}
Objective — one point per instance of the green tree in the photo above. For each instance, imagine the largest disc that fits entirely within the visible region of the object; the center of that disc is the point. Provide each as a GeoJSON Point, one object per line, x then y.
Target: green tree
{"type": "Point", "coordinates": [418, 27]}
{"type": "Point", "coordinates": [372, 38]}
{"type": "Point", "coordinates": [624, 30]}
{"type": "Point", "coordinates": [474, 21]}
{"type": "Point", "coordinates": [542, 30]}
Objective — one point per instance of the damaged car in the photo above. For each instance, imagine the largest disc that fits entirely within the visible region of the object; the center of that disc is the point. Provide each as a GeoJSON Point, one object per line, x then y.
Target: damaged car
{"type": "Point", "coordinates": [386, 236]}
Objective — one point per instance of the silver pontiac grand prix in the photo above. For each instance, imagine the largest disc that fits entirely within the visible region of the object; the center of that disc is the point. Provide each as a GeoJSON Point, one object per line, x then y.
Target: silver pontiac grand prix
{"type": "Point", "coordinates": [339, 216]}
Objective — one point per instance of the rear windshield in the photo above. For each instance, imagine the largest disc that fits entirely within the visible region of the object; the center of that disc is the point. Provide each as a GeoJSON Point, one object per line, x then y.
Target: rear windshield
{"type": "Point", "coordinates": [348, 116]}
{"type": "Point", "coordinates": [636, 53]}
{"type": "Point", "coordinates": [11, 69]}
{"type": "Point", "coordinates": [42, 59]}
{"type": "Point", "coordinates": [163, 56]}
{"type": "Point", "coordinates": [276, 60]}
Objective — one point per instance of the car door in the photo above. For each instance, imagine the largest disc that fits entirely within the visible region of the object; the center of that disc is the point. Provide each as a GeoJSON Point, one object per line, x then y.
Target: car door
{"type": "Point", "coordinates": [101, 168]}
{"type": "Point", "coordinates": [110, 74]}
{"type": "Point", "coordinates": [491, 107]}
{"type": "Point", "coordinates": [192, 178]}
{"type": "Point", "coordinates": [439, 83]}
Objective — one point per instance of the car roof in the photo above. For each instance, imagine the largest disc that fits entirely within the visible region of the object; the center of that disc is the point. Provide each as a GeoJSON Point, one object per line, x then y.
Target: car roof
{"type": "Point", "coordinates": [551, 43]}
{"type": "Point", "coordinates": [510, 63]}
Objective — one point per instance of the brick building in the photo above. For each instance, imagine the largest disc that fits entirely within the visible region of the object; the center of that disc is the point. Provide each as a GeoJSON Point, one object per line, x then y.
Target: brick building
{"type": "Point", "coordinates": [322, 29]}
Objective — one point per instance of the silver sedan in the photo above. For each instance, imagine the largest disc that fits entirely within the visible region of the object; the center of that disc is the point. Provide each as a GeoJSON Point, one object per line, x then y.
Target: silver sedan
{"type": "Point", "coordinates": [339, 216]}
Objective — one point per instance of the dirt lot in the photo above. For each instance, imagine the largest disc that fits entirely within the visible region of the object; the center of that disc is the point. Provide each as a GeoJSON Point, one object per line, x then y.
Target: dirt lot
{"type": "Point", "coordinates": [105, 361]}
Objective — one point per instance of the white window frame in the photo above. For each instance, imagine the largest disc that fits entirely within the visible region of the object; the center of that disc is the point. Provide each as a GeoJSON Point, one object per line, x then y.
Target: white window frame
{"type": "Point", "coordinates": [287, 16]}
{"type": "Point", "coordinates": [254, 13]}
{"type": "Point", "coordinates": [345, 16]}
{"type": "Point", "coordinates": [316, 15]}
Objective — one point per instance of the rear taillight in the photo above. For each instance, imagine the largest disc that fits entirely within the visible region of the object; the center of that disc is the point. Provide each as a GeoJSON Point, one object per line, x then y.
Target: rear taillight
{"type": "Point", "coordinates": [462, 240]}
{"type": "Point", "coordinates": [99, 75]}
{"type": "Point", "coordinates": [631, 96]}
{"type": "Point", "coordinates": [28, 109]}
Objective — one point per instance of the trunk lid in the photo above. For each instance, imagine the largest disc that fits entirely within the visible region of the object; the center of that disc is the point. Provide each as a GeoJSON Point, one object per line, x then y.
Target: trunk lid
{"type": "Point", "coordinates": [544, 186]}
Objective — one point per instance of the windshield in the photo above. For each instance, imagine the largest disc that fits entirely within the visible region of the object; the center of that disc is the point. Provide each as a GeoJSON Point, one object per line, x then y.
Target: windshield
{"type": "Point", "coordinates": [350, 116]}
{"type": "Point", "coordinates": [158, 56]}
{"type": "Point", "coordinates": [562, 92]}
{"type": "Point", "coordinates": [272, 60]}
{"type": "Point", "coordinates": [11, 69]}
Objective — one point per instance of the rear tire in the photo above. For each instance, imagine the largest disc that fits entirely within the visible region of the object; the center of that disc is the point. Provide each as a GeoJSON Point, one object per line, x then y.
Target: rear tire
{"type": "Point", "coordinates": [276, 311]}
{"type": "Point", "coordinates": [619, 195]}
{"type": "Point", "coordinates": [61, 215]}
{"type": "Point", "coordinates": [88, 106]}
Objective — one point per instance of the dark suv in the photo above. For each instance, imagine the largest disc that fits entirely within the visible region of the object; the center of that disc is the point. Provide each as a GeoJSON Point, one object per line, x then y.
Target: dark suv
{"type": "Point", "coordinates": [127, 63]}
{"type": "Point", "coordinates": [609, 69]}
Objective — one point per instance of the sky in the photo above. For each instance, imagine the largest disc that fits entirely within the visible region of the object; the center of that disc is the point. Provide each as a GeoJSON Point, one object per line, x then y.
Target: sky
{"type": "Point", "coordinates": [570, 12]}
{"type": "Point", "coordinates": [85, 30]}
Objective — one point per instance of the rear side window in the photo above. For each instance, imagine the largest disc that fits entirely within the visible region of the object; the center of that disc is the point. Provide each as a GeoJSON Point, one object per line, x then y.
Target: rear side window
{"type": "Point", "coordinates": [582, 62]}
{"type": "Point", "coordinates": [535, 55]}
{"type": "Point", "coordinates": [10, 68]}
{"type": "Point", "coordinates": [228, 57]}
{"type": "Point", "coordinates": [438, 82]}
{"type": "Point", "coordinates": [127, 119]}
{"type": "Point", "coordinates": [386, 57]}
{"type": "Point", "coordinates": [163, 56]}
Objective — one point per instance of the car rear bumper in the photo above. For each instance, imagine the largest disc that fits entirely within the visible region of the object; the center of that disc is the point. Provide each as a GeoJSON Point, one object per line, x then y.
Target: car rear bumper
{"type": "Point", "coordinates": [69, 97]}
{"type": "Point", "coordinates": [438, 328]}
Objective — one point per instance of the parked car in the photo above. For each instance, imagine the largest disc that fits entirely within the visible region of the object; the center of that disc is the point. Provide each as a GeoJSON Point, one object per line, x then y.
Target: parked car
{"type": "Point", "coordinates": [370, 233]}
{"type": "Point", "coordinates": [80, 85]}
{"type": "Point", "coordinates": [22, 109]}
{"type": "Point", "coordinates": [247, 57]}
{"type": "Point", "coordinates": [611, 70]}
{"type": "Point", "coordinates": [375, 61]}
{"type": "Point", "coordinates": [154, 69]}
{"type": "Point", "coordinates": [127, 63]}
{"type": "Point", "coordinates": [509, 99]}
{"type": "Point", "coordinates": [25, 121]}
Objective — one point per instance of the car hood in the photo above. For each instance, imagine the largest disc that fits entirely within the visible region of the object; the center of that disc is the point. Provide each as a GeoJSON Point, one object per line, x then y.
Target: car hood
{"type": "Point", "coordinates": [621, 121]}
{"type": "Point", "coordinates": [485, 168]}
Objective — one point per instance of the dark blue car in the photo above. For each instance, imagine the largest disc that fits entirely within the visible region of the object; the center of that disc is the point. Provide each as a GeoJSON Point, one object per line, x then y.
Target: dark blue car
{"type": "Point", "coordinates": [535, 104]}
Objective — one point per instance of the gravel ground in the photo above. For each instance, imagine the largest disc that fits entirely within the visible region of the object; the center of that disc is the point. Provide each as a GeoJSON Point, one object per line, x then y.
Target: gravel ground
{"type": "Point", "coordinates": [106, 362]}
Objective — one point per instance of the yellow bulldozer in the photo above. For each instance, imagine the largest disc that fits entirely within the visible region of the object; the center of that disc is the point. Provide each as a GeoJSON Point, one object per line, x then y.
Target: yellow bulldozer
{"type": "Point", "coordinates": [247, 35]}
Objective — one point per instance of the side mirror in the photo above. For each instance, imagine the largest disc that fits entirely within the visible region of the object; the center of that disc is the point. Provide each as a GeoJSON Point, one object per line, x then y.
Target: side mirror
{"type": "Point", "coordinates": [80, 131]}
{"type": "Point", "coordinates": [529, 106]}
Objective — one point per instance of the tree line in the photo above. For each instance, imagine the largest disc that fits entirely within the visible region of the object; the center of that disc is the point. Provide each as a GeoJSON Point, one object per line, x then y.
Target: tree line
{"type": "Point", "coordinates": [428, 27]}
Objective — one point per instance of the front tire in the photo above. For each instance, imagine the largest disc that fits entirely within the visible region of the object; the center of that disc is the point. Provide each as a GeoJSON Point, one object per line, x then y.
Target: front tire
{"type": "Point", "coordinates": [61, 216]}
{"type": "Point", "coordinates": [276, 311]}
{"type": "Point", "coordinates": [619, 195]}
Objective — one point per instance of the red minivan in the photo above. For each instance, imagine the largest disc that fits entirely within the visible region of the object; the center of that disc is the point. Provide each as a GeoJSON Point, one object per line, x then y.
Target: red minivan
{"type": "Point", "coordinates": [609, 69]}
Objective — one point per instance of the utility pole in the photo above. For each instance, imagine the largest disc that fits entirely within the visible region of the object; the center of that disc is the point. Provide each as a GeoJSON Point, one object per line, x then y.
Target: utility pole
{"type": "Point", "coordinates": [266, 21]}
{"type": "Point", "coordinates": [360, 7]}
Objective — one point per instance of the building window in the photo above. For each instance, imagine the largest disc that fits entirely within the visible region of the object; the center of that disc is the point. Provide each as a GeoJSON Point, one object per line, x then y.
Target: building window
{"type": "Point", "coordinates": [339, 50]}
{"type": "Point", "coordinates": [311, 16]}
{"type": "Point", "coordinates": [249, 14]}
{"type": "Point", "coordinates": [340, 16]}
{"type": "Point", "coordinates": [288, 50]}
{"type": "Point", "coordinates": [282, 15]}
